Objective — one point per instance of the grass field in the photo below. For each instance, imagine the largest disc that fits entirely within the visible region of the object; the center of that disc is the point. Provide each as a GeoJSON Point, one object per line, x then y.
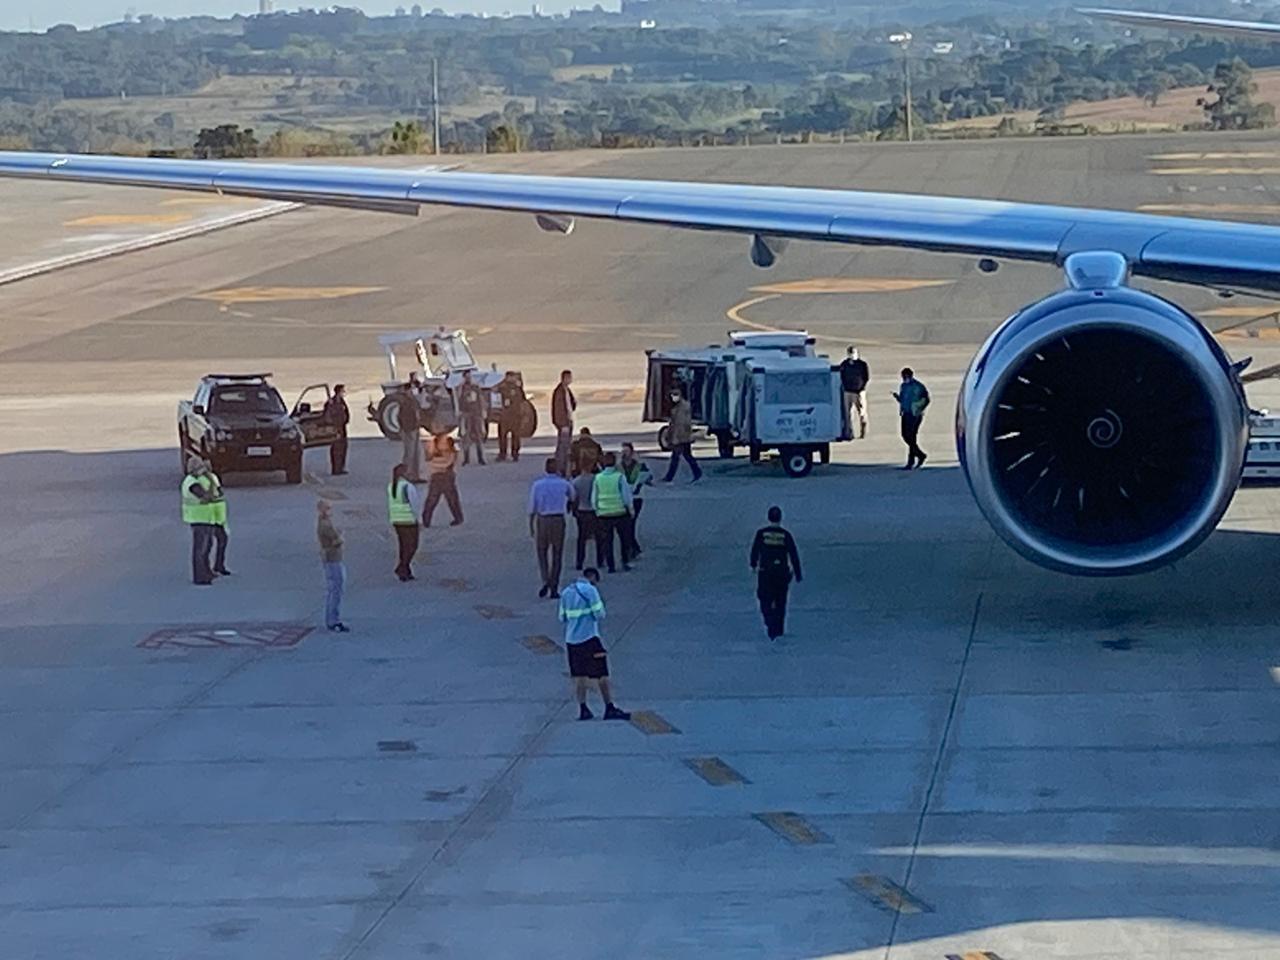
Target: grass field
{"type": "Point", "coordinates": [1176, 109]}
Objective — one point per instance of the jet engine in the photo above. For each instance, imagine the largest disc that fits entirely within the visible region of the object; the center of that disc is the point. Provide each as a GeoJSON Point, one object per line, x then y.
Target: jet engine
{"type": "Point", "coordinates": [1102, 431]}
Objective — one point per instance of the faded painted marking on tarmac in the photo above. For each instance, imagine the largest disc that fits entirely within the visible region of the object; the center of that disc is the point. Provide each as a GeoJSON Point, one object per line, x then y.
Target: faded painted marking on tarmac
{"type": "Point", "coordinates": [456, 584]}
{"type": "Point", "coordinates": [715, 771]}
{"type": "Point", "coordinates": [325, 493]}
{"type": "Point", "coordinates": [974, 955]}
{"type": "Point", "coordinates": [1215, 171]}
{"type": "Point", "coordinates": [887, 895]}
{"type": "Point", "coordinates": [226, 635]}
{"type": "Point", "coordinates": [397, 746]}
{"type": "Point", "coordinates": [734, 314]}
{"type": "Point", "coordinates": [793, 827]}
{"type": "Point", "coordinates": [849, 285]}
{"type": "Point", "coordinates": [540, 643]}
{"type": "Point", "coordinates": [130, 220]}
{"type": "Point", "coordinates": [490, 612]}
{"type": "Point", "coordinates": [652, 724]}
{"type": "Point", "coordinates": [634, 394]}
{"type": "Point", "coordinates": [1242, 155]}
{"type": "Point", "coordinates": [232, 295]}
{"type": "Point", "coordinates": [1243, 208]}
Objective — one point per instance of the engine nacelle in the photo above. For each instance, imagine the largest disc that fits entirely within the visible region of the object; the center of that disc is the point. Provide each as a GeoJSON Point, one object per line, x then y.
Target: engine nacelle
{"type": "Point", "coordinates": [1102, 431]}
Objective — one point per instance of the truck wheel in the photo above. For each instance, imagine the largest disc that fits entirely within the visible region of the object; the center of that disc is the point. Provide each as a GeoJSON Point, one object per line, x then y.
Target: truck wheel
{"type": "Point", "coordinates": [528, 420]}
{"type": "Point", "coordinates": [293, 472]}
{"type": "Point", "coordinates": [387, 417]}
{"type": "Point", "coordinates": [797, 461]}
{"type": "Point", "coordinates": [664, 439]}
{"type": "Point", "coordinates": [724, 443]}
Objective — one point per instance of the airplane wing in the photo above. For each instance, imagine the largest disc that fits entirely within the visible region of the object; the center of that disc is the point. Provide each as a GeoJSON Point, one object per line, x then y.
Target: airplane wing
{"type": "Point", "coordinates": [1203, 252]}
{"type": "Point", "coordinates": [1173, 21]}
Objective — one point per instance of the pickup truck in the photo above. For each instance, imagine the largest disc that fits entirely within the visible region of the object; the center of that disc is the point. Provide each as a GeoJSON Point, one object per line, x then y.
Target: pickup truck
{"type": "Point", "coordinates": [238, 422]}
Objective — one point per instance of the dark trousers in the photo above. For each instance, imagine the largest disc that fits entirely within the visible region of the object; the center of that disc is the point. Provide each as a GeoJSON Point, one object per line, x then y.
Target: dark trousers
{"type": "Point", "coordinates": [338, 454]}
{"type": "Point", "coordinates": [587, 535]}
{"type": "Point", "coordinates": [407, 542]}
{"type": "Point", "coordinates": [219, 534]}
{"type": "Point", "coordinates": [201, 544]}
{"type": "Point", "coordinates": [910, 431]}
{"type": "Point", "coordinates": [550, 545]}
{"type": "Point", "coordinates": [442, 485]}
{"type": "Point", "coordinates": [629, 528]}
{"type": "Point", "coordinates": [683, 450]}
{"type": "Point", "coordinates": [474, 432]}
{"type": "Point", "coordinates": [606, 529]}
{"type": "Point", "coordinates": [564, 437]}
{"type": "Point", "coordinates": [771, 591]}
{"type": "Point", "coordinates": [509, 438]}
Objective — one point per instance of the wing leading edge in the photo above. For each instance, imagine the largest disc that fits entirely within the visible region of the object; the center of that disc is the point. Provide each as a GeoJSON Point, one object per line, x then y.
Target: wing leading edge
{"type": "Point", "coordinates": [1174, 21]}
{"type": "Point", "coordinates": [1205, 252]}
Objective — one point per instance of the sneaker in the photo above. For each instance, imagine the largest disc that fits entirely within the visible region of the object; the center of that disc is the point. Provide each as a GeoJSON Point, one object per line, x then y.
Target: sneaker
{"type": "Point", "coordinates": [339, 628]}
{"type": "Point", "coordinates": [613, 713]}
{"type": "Point", "coordinates": [584, 712]}
{"type": "Point", "coordinates": [555, 594]}
{"type": "Point", "coordinates": [224, 572]}
{"type": "Point", "coordinates": [542, 594]}
{"type": "Point", "coordinates": [626, 568]}
{"type": "Point", "coordinates": [923, 458]}
{"type": "Point", "coordinates": [456, 523]}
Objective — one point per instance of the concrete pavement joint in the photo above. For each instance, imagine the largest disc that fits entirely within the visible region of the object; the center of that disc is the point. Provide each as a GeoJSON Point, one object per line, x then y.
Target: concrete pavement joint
{"type": "Point", "coordinates": [937, 768]}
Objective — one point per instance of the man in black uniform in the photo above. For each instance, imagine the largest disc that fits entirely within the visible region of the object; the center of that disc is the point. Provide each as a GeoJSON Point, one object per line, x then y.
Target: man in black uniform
{"type": "Point", "coordinates": [511, 390]}
{"type": "Point", "coordinates": [774, 555]}
{"type": "Point", "coordinates": [337, 413]}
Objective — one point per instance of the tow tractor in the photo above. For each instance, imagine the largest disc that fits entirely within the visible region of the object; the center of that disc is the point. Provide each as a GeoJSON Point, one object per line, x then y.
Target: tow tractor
{"type": "Point", "coordinates": [440, 358]}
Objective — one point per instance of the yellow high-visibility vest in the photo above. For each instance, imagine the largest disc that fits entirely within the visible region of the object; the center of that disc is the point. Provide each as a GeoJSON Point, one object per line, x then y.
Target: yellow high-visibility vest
{"type": "Point", "coordinates": [608, 494]}
{"type": "Point", "coordinates": [219, 505]}
{"type": "Point", "coordinates": [193, 509]}
{"type": "Point", "coordinates": [399, 509]}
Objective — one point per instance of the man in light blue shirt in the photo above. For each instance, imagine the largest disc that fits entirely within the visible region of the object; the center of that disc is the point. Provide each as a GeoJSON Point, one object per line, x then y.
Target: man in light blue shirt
{"type": "Point", "coordinates": [581, 611]}
{"type": "Point", "coordinates": [550, 499]}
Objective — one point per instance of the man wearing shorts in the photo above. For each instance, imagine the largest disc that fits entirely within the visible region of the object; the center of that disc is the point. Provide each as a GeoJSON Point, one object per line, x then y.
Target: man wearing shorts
{"type": "Point", "coordinates": [581, 611]}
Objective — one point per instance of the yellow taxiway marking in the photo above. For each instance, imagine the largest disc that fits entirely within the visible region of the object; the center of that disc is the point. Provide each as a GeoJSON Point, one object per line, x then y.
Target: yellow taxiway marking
{"type": "Point", "coordinates": [886, 894]}
{"type": "Point", "coordinates": [1254, 208]}
{"type": "Point", "coordinates": [1255, 312]}
{"type": "Point", "coordinates": [129, 220]}
{"type": "Point", "coordinates": [280, 294]}
{"type": "Point", "coordinates": [652, 724]}
{"type": "Point", "coordinates": [715, 771]}
{"type": "Point", "coordinates": [793, 827]}
{"type": "Point", "coordinates": [1243, 155]}
{"type": "Point", "coordinates": [849, 285]}
{"type": "Point", "coordinates": [1214, 171]}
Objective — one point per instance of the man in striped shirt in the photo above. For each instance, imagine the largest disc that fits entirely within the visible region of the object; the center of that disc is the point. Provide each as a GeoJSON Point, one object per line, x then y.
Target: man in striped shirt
{"type": "Point", "coordinates": [581, 610]}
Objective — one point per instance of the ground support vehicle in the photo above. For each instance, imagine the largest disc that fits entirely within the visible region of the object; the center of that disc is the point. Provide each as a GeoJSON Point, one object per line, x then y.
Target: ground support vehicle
{"type": "Point", "coordinates": [709, 378]}
{"type": "Point", "coordinates": [1262, 461]}
{"type": "Point", "coordinates": [439, 360]}
{"type": "Point", "coordinates": [239, 423]}
{"type": "Point", "coordinates": [794, 405]}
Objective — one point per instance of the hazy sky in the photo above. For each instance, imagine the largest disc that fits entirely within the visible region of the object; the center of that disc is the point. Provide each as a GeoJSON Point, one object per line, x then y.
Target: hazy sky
{"type": "Point", "coordinates": [23, 14]}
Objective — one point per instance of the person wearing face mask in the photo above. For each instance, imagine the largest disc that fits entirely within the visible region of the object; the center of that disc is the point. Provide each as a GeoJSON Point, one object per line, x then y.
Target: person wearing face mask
{"type": "Point", "coordinates": [680, 430]}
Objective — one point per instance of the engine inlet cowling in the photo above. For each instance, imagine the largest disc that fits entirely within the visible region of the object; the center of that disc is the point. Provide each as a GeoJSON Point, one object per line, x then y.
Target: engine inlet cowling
{"type": "Point", "coordinates": [1102, 432]}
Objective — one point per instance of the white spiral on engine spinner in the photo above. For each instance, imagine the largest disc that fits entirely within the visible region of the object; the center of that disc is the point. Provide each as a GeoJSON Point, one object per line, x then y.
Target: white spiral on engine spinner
{"type": "Point", "coordinates": [1104, 431]}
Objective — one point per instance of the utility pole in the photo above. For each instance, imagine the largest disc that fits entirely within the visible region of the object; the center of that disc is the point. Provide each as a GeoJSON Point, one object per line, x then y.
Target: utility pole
{"type": "Point", "coordinates": [435, 106]}
{"type": "Point", "coordinates": [903, 39]}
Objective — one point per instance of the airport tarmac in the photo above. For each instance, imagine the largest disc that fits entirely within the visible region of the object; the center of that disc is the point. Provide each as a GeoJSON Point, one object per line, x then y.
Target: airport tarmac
{"type": "Point", "coordinates": [952, 753]}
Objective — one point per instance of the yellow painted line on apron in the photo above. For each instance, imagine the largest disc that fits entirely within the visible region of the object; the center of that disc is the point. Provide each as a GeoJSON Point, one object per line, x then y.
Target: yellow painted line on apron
{"type": "Point", "coordinates": [887, 895]}
{"type": "Point", "coordinates": [715, 771]}
{"type": "Point", "coordinates": [280, 294]}
{"type": "Point", "coordinates": [653, 724]}
{"type": "Point", "coordinates": [849, 285]}
{"type": "Point", "coordinates": [973, 955]}
{"type": "Point", "coordinates": [793, 827]}
{"type": "Point", "coordinates": [540, 643]}
{"type": "Point", "coordinates": [130, 220]}
{"type": "Point", "coordinates": [1243, 208]}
